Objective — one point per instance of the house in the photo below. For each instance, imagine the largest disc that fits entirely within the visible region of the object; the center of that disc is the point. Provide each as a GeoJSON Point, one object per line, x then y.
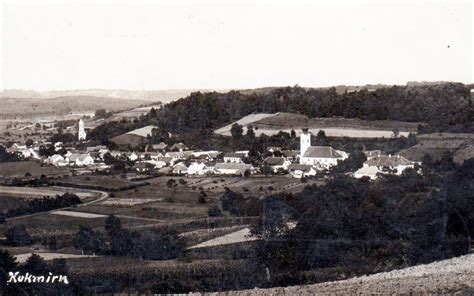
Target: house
{"type": "Point", "coordinates": [83, 159]}
{"type": "Point", "coordinates": [180, 169]}
{"type": "Point", "coordinates": [159, 147]}
{"type": "Point", "coordinates": [234, 157]}
{"type": "Point", "coordinates": [273, 149]}
{"type": "Point", "coordinates": [179, 147]}
{"type": "Point", "coordinates": [384, 165]}
{"type": "Point", "coordinates": [132, 156]}
{"type": "Point", "coordinates": [212, 154]}
{"type": "Point", "coordinates": [198, 168]}
{"type": "Point", "coordinates": [301, 170]}
{"type": "Point", "coordinates": [162, 162]}
{"type": "Point", "coordinates": [240, 169]}
{"type": "Point", "coordinates": [150, 155]}
{"type": "Point", "coordinates": [291, 155]}
{"type": "Point", "coordinates": [175, 155]}
{"type": "Point", "coordinates": [277, 163]}
{"type": "Point", "coordinates": [57, 160]}
{"type": "Point", "coordinates": [322, 157]}
{"type": "Point", "coordinates": [373, 153]}
{"type": "Point", "coordinates": [143, 167]}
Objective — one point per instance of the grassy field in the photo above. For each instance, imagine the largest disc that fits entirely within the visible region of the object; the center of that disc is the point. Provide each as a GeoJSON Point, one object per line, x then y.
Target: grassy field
{"type": "Point", "coordinates": [9, 203]}
{"type": "Point", "coordinates": [270, 124]}
{"type": "Point", "coordinates": [20, 168]}
{"type": "Point", "coordinates": [98, 182]}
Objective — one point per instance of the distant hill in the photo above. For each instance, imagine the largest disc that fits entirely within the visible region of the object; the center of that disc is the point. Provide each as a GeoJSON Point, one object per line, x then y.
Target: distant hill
{"type": "Point", "coordinates": [164, 96]}
{"type": "Point", "coordinates": [31, 107]}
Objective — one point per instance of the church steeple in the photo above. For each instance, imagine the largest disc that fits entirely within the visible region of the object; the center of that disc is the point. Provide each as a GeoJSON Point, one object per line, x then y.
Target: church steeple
{"type": "Point", "coordinates": [305, 141]}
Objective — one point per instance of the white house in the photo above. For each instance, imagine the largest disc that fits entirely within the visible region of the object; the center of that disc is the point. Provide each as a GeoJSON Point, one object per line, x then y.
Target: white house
{"type": "Point", "coordinates": [322, 157]}
{"type": "Point", "coordinates": [232, 168]}
{"type": "Point", "coordinates": [180, 169]}
{"type": "Point", "coordinates": [57, 160]}
{"type": "Point", "coordinates": [197, 168]}
{"type": "Point", "coordinates": [301, 170]}
{"type": "Point", "coordinates": [384, 165]}
{"type": "Point", "coordinates": [175, 155]}
{"type": "Point", "coordinates": [81, 159]}
{"type": "Point", "coordinates": [234, 157]}
{"type": "Point", "coordinates": [132, 156]}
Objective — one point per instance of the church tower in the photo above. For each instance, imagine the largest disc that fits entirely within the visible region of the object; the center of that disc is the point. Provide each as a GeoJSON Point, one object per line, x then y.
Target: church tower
{"type": "Point", "coordinates": [81, 133]}
{"type": "Point", "coordinates": [305, 141]}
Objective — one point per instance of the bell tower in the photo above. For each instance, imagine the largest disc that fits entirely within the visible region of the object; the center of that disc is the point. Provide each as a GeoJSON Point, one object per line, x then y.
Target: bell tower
{"type": "Point", "coordinates": [305, 141]}
{"type": "Point", "coordinates": [82, 132]}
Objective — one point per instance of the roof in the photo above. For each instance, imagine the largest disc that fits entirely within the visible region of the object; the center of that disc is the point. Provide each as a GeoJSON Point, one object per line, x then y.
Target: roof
{"type": "Point", "coordinates": [299, 167]}
{"type": "Point", "coordinates": [179, 145]}
{"type": "Point", "coordinates": [274, 161]}
{"type": "Point", "coordinates": [175, 154]}
{"type": "Point", "coordinates": [322, 152]}
{"type": "Point", "coordinates": [144, 131]}
{"type": "Point", "coordinates": [390, 161]}
{"type": "Point", "coordinates": [234, 155]}
{"type": "Point", "coordinates": [164, 159]}
{"type": "Point", "coordinates": [162, 145]}
{"type": "Point", "coordinates": [290, 153]}
{"type": "Point", "coordinates": [232, 166]}
{"type": "Point", "coordinates": [180, 166]}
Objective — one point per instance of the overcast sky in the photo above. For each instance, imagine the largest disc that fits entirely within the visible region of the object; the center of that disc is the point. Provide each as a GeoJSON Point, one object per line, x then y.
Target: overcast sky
{"type": "Point", "coordinates": [222, 46]}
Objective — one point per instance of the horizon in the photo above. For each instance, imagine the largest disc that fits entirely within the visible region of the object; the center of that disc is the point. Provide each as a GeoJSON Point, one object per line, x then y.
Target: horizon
{"type": "Point", "coordinates": [222, 46]}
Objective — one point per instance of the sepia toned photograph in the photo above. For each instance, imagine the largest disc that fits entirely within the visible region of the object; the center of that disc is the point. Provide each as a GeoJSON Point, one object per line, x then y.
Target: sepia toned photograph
{"type": "Point", "coordinates": [236, 148]}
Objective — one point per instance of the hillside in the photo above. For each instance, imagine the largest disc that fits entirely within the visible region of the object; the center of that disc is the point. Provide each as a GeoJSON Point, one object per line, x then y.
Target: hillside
{"type": "Point", "coordinates": [450, 276]}
{"type": "Point", "coordinates": [164, 96]}
{"type": "Point", "coordinates": [33, 107]}
{"type": "Point", "coordinates": [270, 124]}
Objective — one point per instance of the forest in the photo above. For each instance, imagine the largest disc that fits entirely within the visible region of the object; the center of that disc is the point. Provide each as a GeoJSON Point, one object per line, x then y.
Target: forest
{"type": "Point", "coordinates": [446, 107]}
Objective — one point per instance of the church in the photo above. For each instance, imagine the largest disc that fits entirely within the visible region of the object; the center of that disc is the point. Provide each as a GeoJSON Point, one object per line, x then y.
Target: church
{"type": "Point", "coordinates": [81, 135]}
{"type": "Point", "coordinates": [321, 157]}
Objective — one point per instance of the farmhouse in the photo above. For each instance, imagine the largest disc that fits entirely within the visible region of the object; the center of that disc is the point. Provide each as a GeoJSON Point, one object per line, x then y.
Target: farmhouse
{"type": "Point", "coordinates": [277, 163]}
{"type": "Point", "coordinates": [180, 169]}
{"type": "Point", "coordinates": [232, 168]}
{"type": "Point", "coordinates": [134, 138]}
{"type": "Point", "coordinates": [234, 157]}
{"type": "Point", "coordinates": [57, 160]}
{"type": "Point", "coordinates": [301, 170]}
{"type": "Point", "coordinates": [384, 165]}
{"type": "Point", "coordinates": [198, 168]}
{"type": "Point", "coordinates": [80, 159]}
{"type": "Point", "coordinates": [321, 157]}
{"type": "Point", "coordinates": [179, 147]}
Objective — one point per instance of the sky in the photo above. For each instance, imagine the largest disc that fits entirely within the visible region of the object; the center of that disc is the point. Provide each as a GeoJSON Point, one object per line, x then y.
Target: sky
{"type": "Point", "coordinates": [222, 45]}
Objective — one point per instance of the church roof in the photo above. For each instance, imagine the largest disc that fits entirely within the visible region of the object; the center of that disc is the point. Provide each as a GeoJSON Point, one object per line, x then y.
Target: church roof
{"type": "Point", "coordinates": [322, 152]}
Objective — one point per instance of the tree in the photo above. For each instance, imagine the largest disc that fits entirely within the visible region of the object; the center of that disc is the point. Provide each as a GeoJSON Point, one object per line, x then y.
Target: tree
{"type": "Point", "coordinates": [7, 264]}
{"type": "Point", "coordinates": [17, 235]}
{"type": "Point", "coordinates": [88, 241]}
{"type": "Point", "coordinates": [236, 131]}
{"type": "Point", "coordinates": [36, 265]}
{"type": "Point", "coordinates": [112, 225]}
{"type": "Point", "coordinates": [100, 113]}
{"type": "Point", "coordinates": [250, 133]}
{"type": "Point", "coordinates": [293, 134]}
{"type": "Point", "coordinates": [395, 133]}
{"type": "Point", "coordinates": [202, 197]}
{"type": "Point", "coordinates": [266, 170]}
{"type": "Point", "coordinates": [29, 142]}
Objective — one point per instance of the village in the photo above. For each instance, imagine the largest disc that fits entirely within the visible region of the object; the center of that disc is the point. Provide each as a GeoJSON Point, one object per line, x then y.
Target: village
{"type": "Point", "coordinates": [179, 160]}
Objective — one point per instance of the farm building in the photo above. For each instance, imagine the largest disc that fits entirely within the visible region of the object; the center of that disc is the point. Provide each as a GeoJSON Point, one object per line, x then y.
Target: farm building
{"type": "Point", "coordinates": [301, 170]}
{"type": "Point", "coordinates": [232, 168]}
{"type": "Point", "coordinates": [234, 157]}
{"type": "Point", "coordinates": [383, 165]}
{"type": "Point", "coordinates": [180, 169]}
{"type": "Point", "coordinates": [277, 163]}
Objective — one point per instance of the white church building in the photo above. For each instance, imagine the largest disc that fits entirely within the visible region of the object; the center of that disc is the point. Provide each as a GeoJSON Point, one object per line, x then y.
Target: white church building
{"type": "Point", "coordinates": [321, 157]}
{"type": "Point", "coordinates": [81, 135]}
